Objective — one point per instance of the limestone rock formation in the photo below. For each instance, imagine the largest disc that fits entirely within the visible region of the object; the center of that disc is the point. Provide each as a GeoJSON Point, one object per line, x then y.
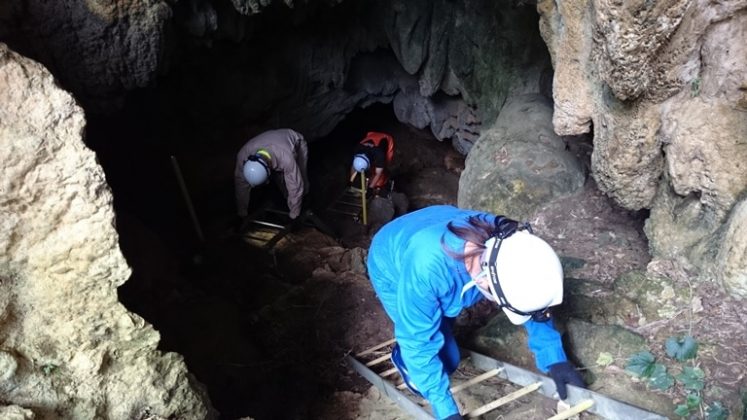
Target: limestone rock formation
{"type": "Point", "coordinates": [664, 86]}
{"type": "Point", "coordinates": [69, 348]}
{"type": "Point", "coordinates": [519, 163]}
{"type": "Point", "coordinates": [98, 50]}
{"type": "Point", "coordinates": [732, 257]}
{"type": "Point", "coordinates": [456, 62]}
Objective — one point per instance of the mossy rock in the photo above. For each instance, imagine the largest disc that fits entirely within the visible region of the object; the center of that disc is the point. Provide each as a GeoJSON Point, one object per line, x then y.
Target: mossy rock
{"type": "Point", "coordinates": [656, 297]}
{"type": "Point", "coordinates": [519, 163]}
{"type": "Point", "coordinates": [502, 340]}
{"type": "Point", "coordinates": [588, 343]}
{"type": "Point", "coordinates": [571, 263]}
{"type": "Point", "coordinates": [593, 302]}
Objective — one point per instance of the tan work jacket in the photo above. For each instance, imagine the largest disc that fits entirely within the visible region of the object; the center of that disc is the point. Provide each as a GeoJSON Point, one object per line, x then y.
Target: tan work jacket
{"type": "Point", "coordinates": [289, 154]}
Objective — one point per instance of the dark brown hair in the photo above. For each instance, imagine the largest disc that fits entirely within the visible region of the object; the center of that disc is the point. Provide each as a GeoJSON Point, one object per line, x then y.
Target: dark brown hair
{"type": "Point", "coordinates": [478, 230]}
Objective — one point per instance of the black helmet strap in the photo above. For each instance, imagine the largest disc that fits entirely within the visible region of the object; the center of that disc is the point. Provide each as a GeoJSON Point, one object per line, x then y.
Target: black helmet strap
{"type": "Point", "coordinates": [504, 228]}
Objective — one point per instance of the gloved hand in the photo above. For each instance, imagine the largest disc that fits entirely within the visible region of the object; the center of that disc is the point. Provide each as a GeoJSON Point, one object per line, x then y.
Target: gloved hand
{"type": "Point", "coordinates": [369, 193]}
{"type": "Point", "coordinates": [564, 373]}
{"type": "Point", "coordinates": [456, 416]}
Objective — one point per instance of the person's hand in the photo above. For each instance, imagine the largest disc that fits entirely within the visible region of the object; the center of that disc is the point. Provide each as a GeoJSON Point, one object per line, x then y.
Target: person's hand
{"type": "Point", "coordinates": [369, 193]}
{"type": "Point", "coordinates": [456, 416]}
{"type": "Point", "coordinates": [564, 373]}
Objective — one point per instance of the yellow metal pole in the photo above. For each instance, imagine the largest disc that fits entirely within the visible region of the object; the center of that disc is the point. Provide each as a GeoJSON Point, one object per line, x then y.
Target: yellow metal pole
{"type": "Point", "coordinates": [363, 198]}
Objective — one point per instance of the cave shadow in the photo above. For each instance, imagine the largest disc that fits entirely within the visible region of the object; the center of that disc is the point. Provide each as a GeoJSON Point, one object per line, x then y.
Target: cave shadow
{"type": "Point", "coordinates": [209, 299]}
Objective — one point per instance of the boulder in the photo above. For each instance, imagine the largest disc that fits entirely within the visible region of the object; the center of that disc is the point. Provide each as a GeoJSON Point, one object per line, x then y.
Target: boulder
{"type": "Point", "coordinates": [592, 302]}
{"type": "Point", "coordinates": [519, 163]}
{"type": "Point", "coordinates": [14, 412]}
{"type": "Point", "coordinates": [655, 297]}
{"type": "Point", "coordinates": [731, 260]}
{"type": "Point", "coordinates": [502, 340]}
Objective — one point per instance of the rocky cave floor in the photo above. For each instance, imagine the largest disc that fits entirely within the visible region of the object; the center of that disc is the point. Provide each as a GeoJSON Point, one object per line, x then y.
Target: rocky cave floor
{"type": "Point", "coordinates": [268, 335]}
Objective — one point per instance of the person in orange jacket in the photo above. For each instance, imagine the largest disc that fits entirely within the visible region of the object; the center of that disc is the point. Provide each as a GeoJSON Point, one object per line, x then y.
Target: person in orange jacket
{"type": "Point", "coordinates": [372, 156]}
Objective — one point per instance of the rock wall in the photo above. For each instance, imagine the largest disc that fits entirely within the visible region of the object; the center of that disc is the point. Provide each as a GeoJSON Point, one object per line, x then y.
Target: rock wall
{"type": "Point", "coordinates": [98, 50]}
{"type": "Point", "coordinates": [282, 63]}
{"type": "Point", "coordinates": [663, 87]}
{"type": "Point", "coordinates": [68, 348]}
{"type": "Point", "coordinates": [519, 163]}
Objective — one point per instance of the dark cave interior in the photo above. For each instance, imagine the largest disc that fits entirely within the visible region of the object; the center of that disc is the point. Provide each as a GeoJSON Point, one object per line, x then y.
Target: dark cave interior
{"type": "Point", "coordinates": [208, 299]}
{"type": "Point", "coordinates": [204, 297]}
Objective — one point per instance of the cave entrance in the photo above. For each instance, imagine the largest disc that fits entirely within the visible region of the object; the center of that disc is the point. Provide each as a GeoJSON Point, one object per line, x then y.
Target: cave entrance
{"type": "Point", "coordinates": [264, 338]}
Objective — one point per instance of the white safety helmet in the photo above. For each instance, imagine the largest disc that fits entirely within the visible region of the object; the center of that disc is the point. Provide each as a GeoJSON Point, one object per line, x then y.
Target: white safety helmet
{"type": "Point", "coordinates": [526, 277]}
{"type": "Point", "coordinates": [256, 170]}
{"type": "Point", "coordinates": [360, 162]}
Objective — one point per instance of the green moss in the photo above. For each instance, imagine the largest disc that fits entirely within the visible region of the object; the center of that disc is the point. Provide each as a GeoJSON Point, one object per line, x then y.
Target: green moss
{"type": "Point", "coordinates": [656, 297]}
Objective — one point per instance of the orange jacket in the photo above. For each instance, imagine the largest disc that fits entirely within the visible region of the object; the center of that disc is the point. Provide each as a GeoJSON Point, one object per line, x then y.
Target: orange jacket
{"type": "Point", "coordinates": [376, 138]}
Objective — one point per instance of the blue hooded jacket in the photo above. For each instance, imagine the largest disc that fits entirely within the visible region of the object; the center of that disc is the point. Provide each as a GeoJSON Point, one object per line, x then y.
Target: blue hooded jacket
{"type": "Point", "coordinates": [419, 284]}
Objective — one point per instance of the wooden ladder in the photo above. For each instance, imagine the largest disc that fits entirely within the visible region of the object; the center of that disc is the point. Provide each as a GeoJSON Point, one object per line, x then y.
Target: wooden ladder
{"type": "Point", "coordinates": [386, 378]}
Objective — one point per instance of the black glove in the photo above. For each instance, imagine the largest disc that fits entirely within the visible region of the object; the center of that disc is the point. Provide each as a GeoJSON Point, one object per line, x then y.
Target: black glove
{"type": "Point", "coordinates": [456, 416]}
{"type": "Point", "coordinates": [564, 373]}
{"type": "Point", "coordinates": [369, 193]}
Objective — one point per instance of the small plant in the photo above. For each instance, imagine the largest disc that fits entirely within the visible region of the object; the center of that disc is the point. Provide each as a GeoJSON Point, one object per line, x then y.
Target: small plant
{"type": "Point", "coordinates": [605, 359]}
{"type": "Point", "coordinates": [691, 406]}
{"type": "Point", "coordinates": [692, 378]}
{"type": "Point", "coordinates": [644, 365]}
{"type": "Point", "coordinates": [681, 348]}
{"type": "Point", "coordinates": [716, 411]}
{"type": "Point", "coordinates": [695, 87]}
{"type": "Point", "coordinates": [48, 369]}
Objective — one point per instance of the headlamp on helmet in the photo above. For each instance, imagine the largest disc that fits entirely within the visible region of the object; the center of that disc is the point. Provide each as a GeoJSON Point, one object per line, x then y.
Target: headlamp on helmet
{"type": "Point", "coordinates": [361, 162]}
{"type": "Point", "coordinates": [256, 170]}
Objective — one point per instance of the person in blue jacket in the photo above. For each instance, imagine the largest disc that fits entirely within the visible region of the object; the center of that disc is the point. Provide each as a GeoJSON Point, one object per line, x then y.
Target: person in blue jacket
{"type": "Point", "coordinates": [428, 265]}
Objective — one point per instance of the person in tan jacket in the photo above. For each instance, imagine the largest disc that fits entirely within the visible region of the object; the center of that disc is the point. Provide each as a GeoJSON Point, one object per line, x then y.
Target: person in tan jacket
{"type": "Point", "coordinates": [283, 153]}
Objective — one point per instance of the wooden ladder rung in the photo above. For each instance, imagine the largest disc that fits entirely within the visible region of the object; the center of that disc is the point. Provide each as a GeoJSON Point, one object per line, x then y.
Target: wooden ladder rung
{"type": "Point", "coordinates": [476, 379]}
{"type": "Point", "coordinates": [376, 347]}
{"type": "Point", "coordinates": [504, 400]}
{"type": "Point", "coordinates": [388, 372]}
{"type": "Point", "coordinates": [378, 360]}
{"type": "Point", "coordinates": [582, 406]}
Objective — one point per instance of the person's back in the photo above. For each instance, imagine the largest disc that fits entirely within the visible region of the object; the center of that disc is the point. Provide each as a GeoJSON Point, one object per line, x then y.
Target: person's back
{"type": "Point", "coordinates": [428, 265]}
{"type": "Point", "coordinates": [285, 152]}
{"type": "Point", "coordinates": [373, 155]}
{"type": "Point", "coordinates": [416, 237]}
